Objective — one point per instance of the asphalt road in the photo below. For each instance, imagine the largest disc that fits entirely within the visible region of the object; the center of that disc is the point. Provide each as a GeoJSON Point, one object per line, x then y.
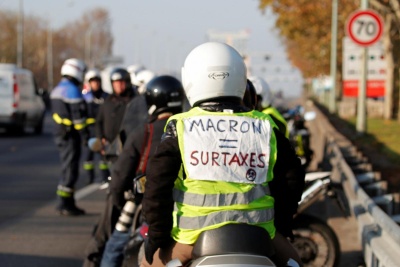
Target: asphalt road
{"type": "Point", "coordinates": [31, 232]}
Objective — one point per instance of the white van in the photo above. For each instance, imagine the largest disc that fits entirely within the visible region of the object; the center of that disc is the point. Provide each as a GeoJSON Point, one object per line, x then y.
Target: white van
{"type": "Point", "coordinates": [20, 104]}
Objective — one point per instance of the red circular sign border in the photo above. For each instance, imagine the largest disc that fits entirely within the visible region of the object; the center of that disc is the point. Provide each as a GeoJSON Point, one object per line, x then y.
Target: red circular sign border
{"type": "Point", "coordinates": [355, 15]}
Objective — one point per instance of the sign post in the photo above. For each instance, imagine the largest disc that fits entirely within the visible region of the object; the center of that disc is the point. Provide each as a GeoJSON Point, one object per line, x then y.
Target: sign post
{"type": "Point", "coordinates": [364, 27]}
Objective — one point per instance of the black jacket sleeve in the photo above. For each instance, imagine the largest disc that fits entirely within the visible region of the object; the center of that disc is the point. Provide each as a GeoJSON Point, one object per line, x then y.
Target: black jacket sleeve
{"type": "Point", "coordinates": [162, 171]}
{"type": "Point", "coordinates": [99, 122]}
{"type": "Point", "coordinates": [287, 185]}
{"type": "Point", "coordinates": [124, 169]}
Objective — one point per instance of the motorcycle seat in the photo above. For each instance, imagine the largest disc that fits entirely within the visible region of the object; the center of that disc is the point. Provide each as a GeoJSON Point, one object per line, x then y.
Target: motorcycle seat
{"type": "Point", "coordinates": [234, 239]}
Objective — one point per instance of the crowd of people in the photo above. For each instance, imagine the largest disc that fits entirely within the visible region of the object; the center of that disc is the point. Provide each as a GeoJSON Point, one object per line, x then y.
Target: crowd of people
{"type": "Point", "coordinates": [224, 160]}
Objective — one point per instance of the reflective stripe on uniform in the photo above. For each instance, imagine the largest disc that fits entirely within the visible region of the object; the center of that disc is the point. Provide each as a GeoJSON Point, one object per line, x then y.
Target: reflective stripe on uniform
{"type": "Point", "coordinates": [243, 216]}
{"type": "Point", "coordinates": [90, 121]}
{"type": "Point", "coordinates": [79, 126]}
{"type": "Point", "coordinates": [64, 191]}
{"type": "Point", "coordinates": [60, 120]}
{"type": "Point", "coordinates": [63, 194]}
{"type": "Point", "coordinates": [88, 165]}
{"type": "Point", "coordinates": [216, 200]}
{"type": "Point", "coordinates": [103, 166]}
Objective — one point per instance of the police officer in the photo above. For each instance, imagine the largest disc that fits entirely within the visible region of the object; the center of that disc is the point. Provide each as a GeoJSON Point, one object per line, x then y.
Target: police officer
{"type": "Point", "coordinates": [94, 96]}
{"type": "Point", "coordinates": [164, 97]}
{"type": "Point", "coordinates": [70, 114]}
{"type": "Point", "coordinates": [264, 103]}
{"type": "Point", "coordinates": [219, 148]}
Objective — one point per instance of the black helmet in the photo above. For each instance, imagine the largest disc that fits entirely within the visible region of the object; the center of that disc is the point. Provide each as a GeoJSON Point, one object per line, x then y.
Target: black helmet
{"type": "Point", "coordinates": [250, 95]}
{"type": "Point", "coordinates": [120, 74]}
{"type": "Point", "coordinates": [164, 94]}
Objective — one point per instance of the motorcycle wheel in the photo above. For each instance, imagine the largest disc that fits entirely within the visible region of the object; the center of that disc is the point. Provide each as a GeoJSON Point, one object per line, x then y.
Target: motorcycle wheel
{"type": "Point", "coordinates": [316, 242]}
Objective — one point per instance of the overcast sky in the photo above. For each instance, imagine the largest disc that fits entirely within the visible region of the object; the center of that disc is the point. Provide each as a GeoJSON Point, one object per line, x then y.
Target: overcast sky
{"type": "Point", "coordinates": [160, 33]}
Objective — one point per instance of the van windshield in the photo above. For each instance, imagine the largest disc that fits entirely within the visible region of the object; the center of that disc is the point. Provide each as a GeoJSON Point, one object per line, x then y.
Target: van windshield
{"type": "Point", "coordinates": [5, 86]}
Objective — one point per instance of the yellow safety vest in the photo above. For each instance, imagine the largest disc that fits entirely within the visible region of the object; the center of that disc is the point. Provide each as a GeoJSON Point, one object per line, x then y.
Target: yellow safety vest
{"type": "Point", "coordinates": [277, 115]}
{"type": "Point", "coordinates": [228, 161]}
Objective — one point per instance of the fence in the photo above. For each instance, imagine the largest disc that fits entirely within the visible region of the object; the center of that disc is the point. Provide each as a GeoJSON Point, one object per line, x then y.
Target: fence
{"type": "Point", "coordinates": [376, 211]}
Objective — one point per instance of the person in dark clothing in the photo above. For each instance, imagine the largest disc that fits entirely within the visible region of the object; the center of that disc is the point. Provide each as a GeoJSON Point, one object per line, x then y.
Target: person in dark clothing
{"type": "Point", "coordinates": [94, 97]}
{"type": "Point", "coordinates": [164, 97]}
{"type": "Point", "coordinates": [209, 165]}
{"type": "Point", "coordinates": [136, 115]}
{"type": "Point", "coordinates": [111, 113]}
{"type": "Point", "coordinates": [70, 115]}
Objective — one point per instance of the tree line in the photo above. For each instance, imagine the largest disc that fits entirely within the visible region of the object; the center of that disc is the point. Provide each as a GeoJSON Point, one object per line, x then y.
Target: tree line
{"type": "Point", "coordinates": [45, 49]}
{"type": "Point", "coordinates": [305, 30]}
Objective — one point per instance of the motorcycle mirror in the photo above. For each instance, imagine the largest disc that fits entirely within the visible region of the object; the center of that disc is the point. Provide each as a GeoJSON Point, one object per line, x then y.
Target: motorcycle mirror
{"type": "Point", "coordinates": [95, 144]}
{"type": "Point", "coordinates": [310, 115]}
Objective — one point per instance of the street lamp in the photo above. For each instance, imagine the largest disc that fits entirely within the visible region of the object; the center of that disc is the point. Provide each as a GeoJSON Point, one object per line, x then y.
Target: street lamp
{"type": "Point", "coordinates": [88, 42]}
{"type": "Point", "coordinates": [332, 98]}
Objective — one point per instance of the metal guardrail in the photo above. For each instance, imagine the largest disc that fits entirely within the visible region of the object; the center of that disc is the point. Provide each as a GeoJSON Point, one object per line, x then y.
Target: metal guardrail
{"type": "Point", "coordinates": [376, 211]}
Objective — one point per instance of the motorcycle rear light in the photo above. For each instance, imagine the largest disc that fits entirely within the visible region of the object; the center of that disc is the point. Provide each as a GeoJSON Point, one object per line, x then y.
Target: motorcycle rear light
{"type": "Point", "coordinates": [143, 230]}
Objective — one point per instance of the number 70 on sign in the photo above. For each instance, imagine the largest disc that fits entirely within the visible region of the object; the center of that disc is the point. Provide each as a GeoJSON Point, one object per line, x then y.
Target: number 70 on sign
{"type": "Point", "coordinates": [364, 27]}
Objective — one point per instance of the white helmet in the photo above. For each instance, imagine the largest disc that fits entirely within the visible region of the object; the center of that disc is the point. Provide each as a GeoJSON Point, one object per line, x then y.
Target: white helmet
{"type": "Point", "coordinates": [74, 68]}
{"type": "Point", "coordinates": [133, 71]}
{"type": "Point", "coordinates": [212, 70]}
{"type": "Point", "coordinates": [92, 73]}
{"type": "Point", "coordinates": [263, 90]}
{"type": "Point", "coordinates": [142, 78]}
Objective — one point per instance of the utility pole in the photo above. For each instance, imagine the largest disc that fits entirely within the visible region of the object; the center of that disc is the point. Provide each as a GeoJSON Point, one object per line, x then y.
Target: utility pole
{"type": "Point", "coordinates": [332, 99]}
{"type": "Point", "coordinates": [49, 58]}
{"type": "Point", "coordinates": [20, 34]}
{"type": "Point", "coordinates": [361, 125]}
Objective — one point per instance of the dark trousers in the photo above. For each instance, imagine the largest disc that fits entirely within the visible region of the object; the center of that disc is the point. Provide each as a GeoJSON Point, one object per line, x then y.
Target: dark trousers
{"type": "Point", "coordinates": [90, 156]}
{"type": "Point", "coordinates": [69, 147]}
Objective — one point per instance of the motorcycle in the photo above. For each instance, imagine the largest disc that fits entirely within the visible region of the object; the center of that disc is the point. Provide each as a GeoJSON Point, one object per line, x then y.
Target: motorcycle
{"type": "Point", "coordinates": [314, 240]}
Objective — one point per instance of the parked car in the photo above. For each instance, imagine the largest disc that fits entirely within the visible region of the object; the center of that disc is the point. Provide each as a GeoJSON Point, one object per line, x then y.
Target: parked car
{"type": "Point", "coordinates": [21, 105]}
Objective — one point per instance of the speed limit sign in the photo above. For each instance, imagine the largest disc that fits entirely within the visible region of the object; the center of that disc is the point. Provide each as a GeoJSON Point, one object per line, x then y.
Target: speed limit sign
{"type": "Point", "coordinates": [364, 27]}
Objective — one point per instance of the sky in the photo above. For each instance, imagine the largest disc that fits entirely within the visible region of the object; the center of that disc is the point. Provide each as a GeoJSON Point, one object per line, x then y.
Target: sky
{"type": "Point", "coordinates": [160, 33]}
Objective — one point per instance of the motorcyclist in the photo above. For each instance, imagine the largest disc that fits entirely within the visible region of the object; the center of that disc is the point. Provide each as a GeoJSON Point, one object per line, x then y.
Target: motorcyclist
{"type": "Point", "coordinates": [133, 71]}
{"type": "Point", "coordinates": [94, 97]}
{"type": "Point", "coordinates": [121, 116]}
{"type": "Point", "coordinates": [109, 118]}
{"type": "Point", "coordinates": [142, 78]}
{"type": "Point", "coordinates": [164, 97]}
{"type": "Point", "coordinates": [213, 159]}
{"type": "Point", "coordinates": [264, 101]}
{"type": "Point", "coordinates": [70, 115]}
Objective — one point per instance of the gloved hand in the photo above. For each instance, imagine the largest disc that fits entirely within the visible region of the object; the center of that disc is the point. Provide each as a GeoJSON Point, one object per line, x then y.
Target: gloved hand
{"type": "Point", "coordinates": [151, 246]}
{"type": "Point", "coordinates": [149, 249]}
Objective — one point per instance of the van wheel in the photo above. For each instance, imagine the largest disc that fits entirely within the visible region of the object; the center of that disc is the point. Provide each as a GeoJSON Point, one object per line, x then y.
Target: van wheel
{"type": "Point", "coordinates": [16, 130]}
{"type": "Point", "coordinates": [38, 129]}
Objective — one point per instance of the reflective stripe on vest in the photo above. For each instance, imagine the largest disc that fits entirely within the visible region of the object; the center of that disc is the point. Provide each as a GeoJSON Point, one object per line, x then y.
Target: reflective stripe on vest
{"type": "Point", "coordinates": [216, 200]}
{"type": "Point", "coordinates": [238, 216]}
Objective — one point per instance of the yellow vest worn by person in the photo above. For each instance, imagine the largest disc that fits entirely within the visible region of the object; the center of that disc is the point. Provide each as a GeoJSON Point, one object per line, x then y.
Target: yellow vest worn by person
{"type": "Point", "coordinates": [277, 115]}
{"type": "Point", "coordinates": [228, 160]}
